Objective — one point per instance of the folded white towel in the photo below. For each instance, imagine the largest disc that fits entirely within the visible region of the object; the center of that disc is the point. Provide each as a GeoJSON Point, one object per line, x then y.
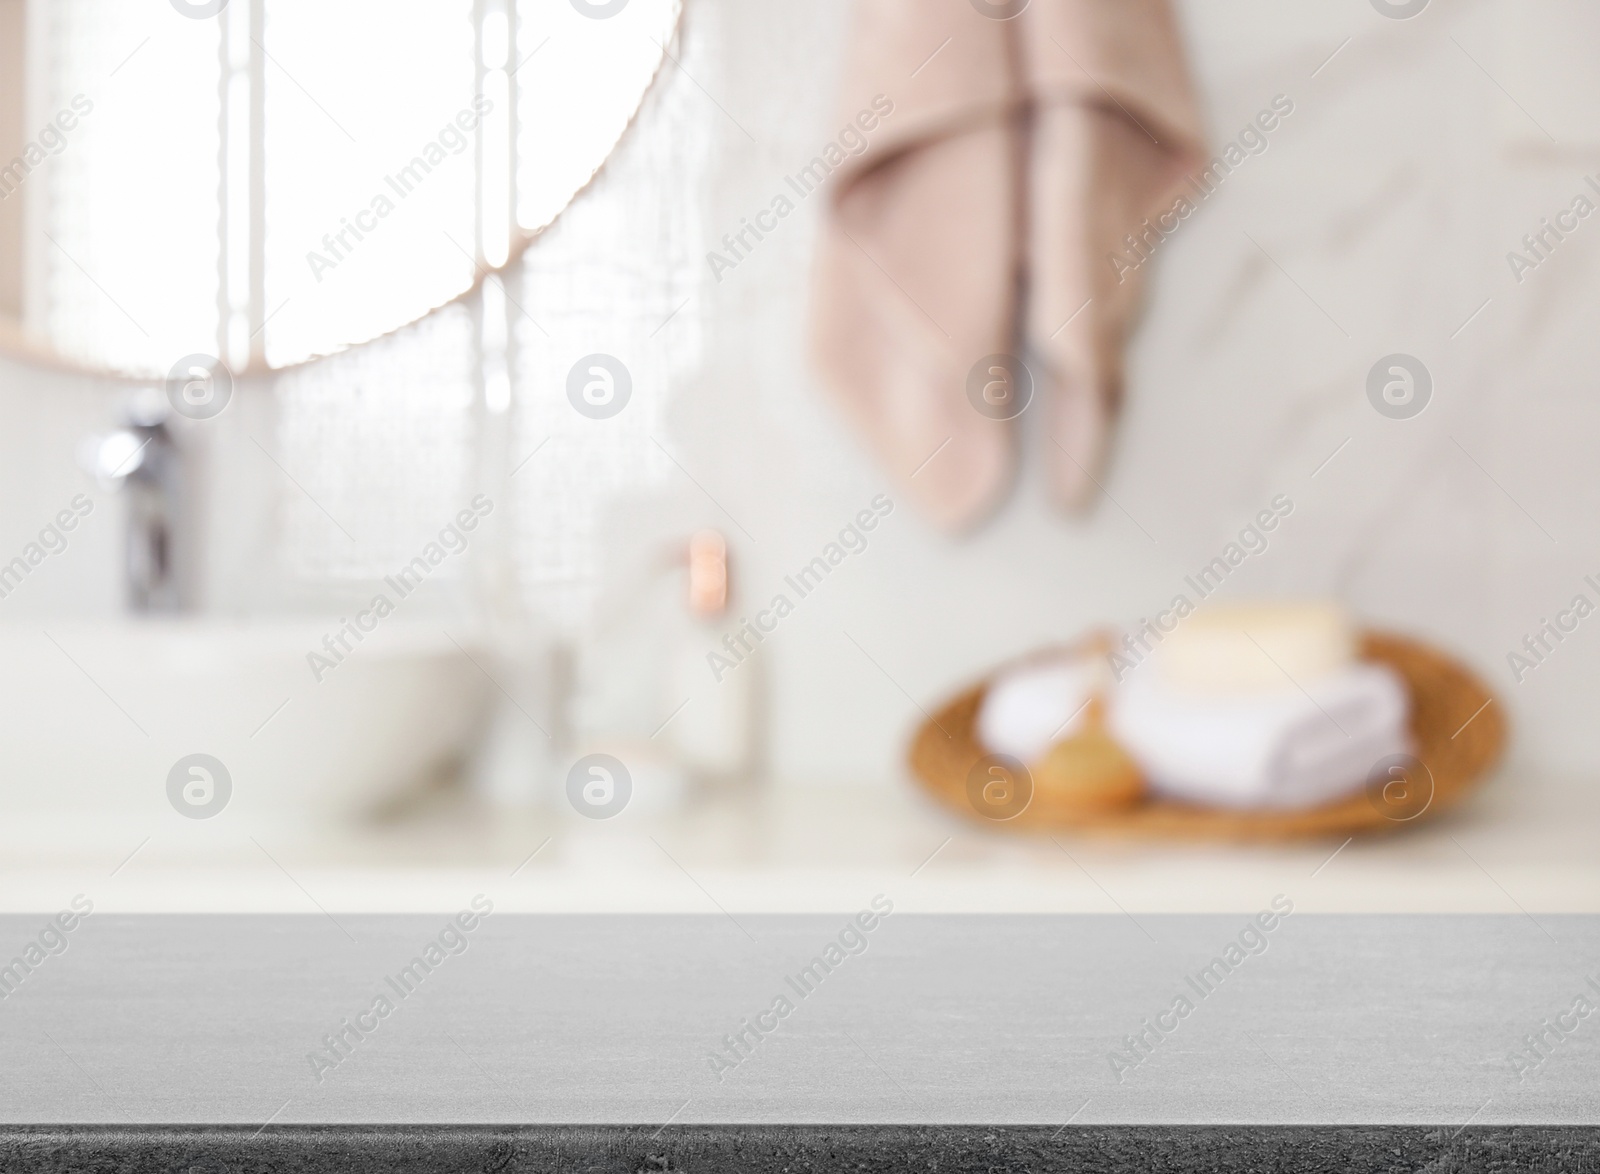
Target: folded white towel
{"type": "Point", "coordinates": [1032, 706]}
{"type": "Point", "coordinates": [1281, 748]}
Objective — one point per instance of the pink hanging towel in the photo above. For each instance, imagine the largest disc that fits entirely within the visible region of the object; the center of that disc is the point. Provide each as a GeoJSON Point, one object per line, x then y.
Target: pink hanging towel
{"type": "Point", "coordinates": [1013, 148]}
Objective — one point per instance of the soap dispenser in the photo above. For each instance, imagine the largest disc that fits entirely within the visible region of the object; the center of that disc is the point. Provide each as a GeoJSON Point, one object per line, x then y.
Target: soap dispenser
{"type": "Point", "coordinates": [715, 732]}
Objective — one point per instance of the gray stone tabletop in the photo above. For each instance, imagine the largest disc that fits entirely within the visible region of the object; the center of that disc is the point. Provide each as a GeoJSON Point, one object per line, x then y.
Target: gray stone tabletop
{"type": "Point", "coordinates": [878, 1018]}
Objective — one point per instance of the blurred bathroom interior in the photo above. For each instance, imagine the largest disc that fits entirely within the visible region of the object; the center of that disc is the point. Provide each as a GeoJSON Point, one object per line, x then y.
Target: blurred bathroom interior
{"type": "Point", "coordinates": [492, 472]}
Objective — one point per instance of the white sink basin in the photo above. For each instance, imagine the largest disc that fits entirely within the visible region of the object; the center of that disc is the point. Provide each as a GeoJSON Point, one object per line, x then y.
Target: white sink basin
{"type": "Point", "coordinates": [94, 717]}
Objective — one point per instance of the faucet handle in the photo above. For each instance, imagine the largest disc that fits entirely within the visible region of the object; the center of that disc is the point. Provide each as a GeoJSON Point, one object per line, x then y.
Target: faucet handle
{"type": "Point", "coordinates": [112, 457]}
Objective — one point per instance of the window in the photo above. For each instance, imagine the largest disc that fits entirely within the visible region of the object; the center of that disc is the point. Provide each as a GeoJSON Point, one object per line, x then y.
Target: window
{"type": "Point", "coordinates": [289, 178]}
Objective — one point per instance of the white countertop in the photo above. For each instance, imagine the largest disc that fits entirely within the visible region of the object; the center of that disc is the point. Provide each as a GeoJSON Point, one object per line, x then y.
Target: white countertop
{"type": "Point", "coordinates": [1522, 844]}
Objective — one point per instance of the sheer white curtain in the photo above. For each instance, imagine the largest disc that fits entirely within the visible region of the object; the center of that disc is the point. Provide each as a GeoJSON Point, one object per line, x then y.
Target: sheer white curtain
{"type": "Point", "coordinates": [123, 215]}
{"type": "Point", "coordinates": [619, 274]}
{"type": "Point", "coordinates": [380, 445]}
{"type": "Point", "coordinates": [395, 435]}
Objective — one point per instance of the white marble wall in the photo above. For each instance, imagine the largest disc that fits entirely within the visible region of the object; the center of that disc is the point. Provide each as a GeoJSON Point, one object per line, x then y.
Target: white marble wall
{"type": "Point", "coordinates": [1377, 222]}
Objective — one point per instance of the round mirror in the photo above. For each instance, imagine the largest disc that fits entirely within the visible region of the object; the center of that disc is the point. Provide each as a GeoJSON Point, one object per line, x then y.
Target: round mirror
{"type": "Point", "coordinates": [262, 182]}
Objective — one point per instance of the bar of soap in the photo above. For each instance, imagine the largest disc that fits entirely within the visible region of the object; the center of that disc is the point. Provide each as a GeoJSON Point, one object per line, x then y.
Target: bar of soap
{"type": "Point", "coordinates": [1245, 648]}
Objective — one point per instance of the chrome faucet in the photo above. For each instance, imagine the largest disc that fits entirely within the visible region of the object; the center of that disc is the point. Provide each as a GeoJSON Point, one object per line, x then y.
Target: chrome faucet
{"type": "Point", "coordinates": [143, 461]}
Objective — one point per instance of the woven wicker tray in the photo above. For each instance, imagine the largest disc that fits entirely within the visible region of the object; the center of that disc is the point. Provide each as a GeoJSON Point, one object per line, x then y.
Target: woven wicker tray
{"type": "Point", "coordinates": [1458, 731]}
